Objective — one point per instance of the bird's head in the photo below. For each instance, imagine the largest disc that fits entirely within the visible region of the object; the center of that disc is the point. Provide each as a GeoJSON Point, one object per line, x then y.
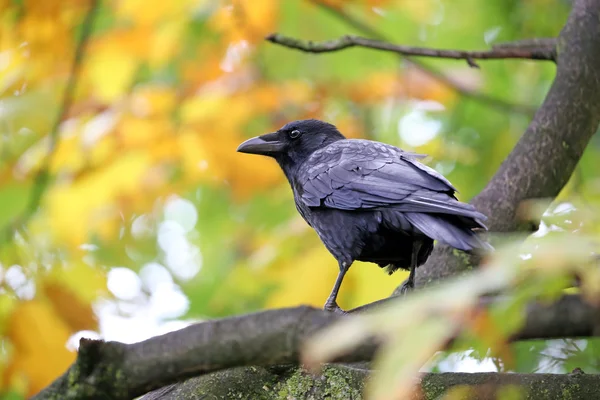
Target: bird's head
{"type": "Point", "coordinates": [294, 142]}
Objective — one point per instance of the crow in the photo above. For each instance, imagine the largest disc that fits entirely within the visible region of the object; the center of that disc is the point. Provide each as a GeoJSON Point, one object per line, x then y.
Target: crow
{"type": "Point", "coordinates": [368, 201]}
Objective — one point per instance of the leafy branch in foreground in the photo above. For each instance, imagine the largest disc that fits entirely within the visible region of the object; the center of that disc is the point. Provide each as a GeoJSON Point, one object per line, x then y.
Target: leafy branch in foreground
{"type": "Point", "coordinates": [411, 330]}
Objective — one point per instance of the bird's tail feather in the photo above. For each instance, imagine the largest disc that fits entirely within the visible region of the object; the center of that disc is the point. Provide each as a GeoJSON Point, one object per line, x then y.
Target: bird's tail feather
{"type": "Point", "coordinates": [469, 215]}
{"type": "Point", "coordinates": [447, 229]}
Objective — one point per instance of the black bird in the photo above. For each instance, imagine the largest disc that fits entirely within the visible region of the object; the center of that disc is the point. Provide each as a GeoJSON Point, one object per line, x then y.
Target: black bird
{"type": "Point", "coordinates": [368, 201]}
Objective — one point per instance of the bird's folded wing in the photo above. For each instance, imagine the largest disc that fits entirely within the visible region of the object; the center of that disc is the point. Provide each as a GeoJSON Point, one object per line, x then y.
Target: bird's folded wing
{"type": "Point", "coordinates": [353, 180]}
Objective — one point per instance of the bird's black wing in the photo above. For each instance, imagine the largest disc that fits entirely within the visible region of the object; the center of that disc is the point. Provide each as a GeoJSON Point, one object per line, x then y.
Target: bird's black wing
{"type": "Point", "coordinates": [362, 174]}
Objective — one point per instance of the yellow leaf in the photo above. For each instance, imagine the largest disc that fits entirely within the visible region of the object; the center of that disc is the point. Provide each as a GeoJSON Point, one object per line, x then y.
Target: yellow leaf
{"type": "Point", "coordinates": [296, 92]}
{"type": "Point", "coordinates": [152, 101]}
{"type": "Point", "coordinates": [92, 199]}
{"type": "Point", "coordinates": [78, 315]}
{"type": "Point", "coordinates": [209, 106]}
{"type": "Point", "coordinates": [7, 306]}
{"type": "Point", "coordinates": [103, 150]}
{"type": "Point", "coordinates": [138, 133]}
{"type": "Point", "coordinates": [421, 11]}
{"type": "Point", "coordinates": [110, 73]}
{"type": "Point", "coordinates": [307, 281]}
{"type": "Point", "coordinates": [246, 174]}
{"type": "Point", "coordinates": [38, 335]}
{"type": "Point", "coordinates": [248, 20]}
{"type": "Point", "coordinates": [376, 87]}
{"type": "Point", "coordinates": [366, 283]}
{"type": "Point", "coordinates": [71, 289]}
{"type": "Point", "coordinates": [68, 156]}
{"type": "Point", "coordinates": [166, 41]}
{"type": "Point", "coordinates": [141, 13]}
{"type": "Point", "coordinates": [194, 159]}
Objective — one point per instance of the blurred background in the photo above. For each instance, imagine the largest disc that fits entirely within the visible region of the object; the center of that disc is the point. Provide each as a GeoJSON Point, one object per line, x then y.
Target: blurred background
{"type": "Point", "coordinates": [125, 211]}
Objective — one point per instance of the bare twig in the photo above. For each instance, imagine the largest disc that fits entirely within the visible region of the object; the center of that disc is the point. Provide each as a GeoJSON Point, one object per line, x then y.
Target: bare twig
{"type": "Point", "coordinates": [549, 43]}
{"type": "Point", "coordinates": [432, 72]}
{"type": "Point", "coordinates": [272, 337]}
{"type": "Point", "coordinates": [530, 53]}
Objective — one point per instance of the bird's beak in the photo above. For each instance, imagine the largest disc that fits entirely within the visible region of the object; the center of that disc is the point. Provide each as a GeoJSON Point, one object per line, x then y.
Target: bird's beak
{"type": "Point", "coordinates": [266, 145]}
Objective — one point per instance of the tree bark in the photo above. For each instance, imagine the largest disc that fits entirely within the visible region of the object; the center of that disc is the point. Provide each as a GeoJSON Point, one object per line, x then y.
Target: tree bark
{"type": "Point", "coordinates": [539, 166]}
{"type": "Point", "coordinates": [546, 155]}
{"type": "Point", "coordinates": [265, 339]}
{"type": "Point", "coordinates": [345, 382]}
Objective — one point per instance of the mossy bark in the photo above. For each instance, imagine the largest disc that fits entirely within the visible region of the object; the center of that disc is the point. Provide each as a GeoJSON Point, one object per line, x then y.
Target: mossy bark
{"type": "Point", "coordinates": [335, 382]}
{"type": "Point", "coordinates": [539, 166]}
{"type": "Point", "coordinates": [346, 382]}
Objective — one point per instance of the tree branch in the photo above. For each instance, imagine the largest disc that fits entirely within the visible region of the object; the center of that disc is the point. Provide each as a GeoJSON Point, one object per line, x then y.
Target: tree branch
{"type": "Point", "coordinates": [344, 42]}
{"type": "Point", "coordinates": [267, 338]}
{"type": "Point", "coordinates": [546, 155]}
{"type": "Point", "coordinates": [432, 72]}
{"type": "Point", "coordinates": [346, 382]}
{"type": "Point", "coordinates": [527, 43]}
{"type": "Point", "coordinates": [539, 166]}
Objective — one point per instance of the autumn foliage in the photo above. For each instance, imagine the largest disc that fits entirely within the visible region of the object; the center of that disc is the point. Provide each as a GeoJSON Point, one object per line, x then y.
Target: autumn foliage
{"type": "Point", "coordinates": [163, 94]}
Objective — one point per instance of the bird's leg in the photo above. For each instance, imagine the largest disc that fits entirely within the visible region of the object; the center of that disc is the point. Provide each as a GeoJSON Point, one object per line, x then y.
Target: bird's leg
{"type": "Point", "coordinates": [409, 284]}
{"type": "Point", "coordinates": [331, 303]}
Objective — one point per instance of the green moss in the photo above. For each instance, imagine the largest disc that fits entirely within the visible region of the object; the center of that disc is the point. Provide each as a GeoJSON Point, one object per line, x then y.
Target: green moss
{"type": "Point", "coordinates": [571, 392]}
{"type": "Point", "coordinates": [430, 389]}
{"type": "Point", "coordinates": [510, 392]}
{"type": "Point", "coordinates": [334, 383]}
{"type": "Point", "coordinates": [296, 386]}
{"type": "Point", "coordinates": [566, 394]}
{"type": "Point", "coordinates": [252, 383]}
{"type": "Point", "coordinates": [341, 384]}
{"type": "Point", "coordinates": [73, 375]}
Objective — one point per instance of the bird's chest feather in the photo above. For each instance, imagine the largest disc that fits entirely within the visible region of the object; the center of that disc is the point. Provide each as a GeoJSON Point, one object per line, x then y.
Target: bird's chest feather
{"type": "Point", "coordinates": [344, 233]}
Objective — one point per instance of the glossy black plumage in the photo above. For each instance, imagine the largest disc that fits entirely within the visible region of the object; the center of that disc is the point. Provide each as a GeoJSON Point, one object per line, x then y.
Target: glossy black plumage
{"type": "Point", "coordinates": [367, 200]}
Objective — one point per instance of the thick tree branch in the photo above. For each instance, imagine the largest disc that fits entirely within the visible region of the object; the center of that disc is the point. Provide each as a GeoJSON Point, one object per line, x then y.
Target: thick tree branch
{"type": "Point", "coordinates": [345, 383]}
{"type": "Point", "coordinates": [267, 338]}
{"type": "Point", "coordinates": [539, 166]}
{"type": "Point", "coordinates": [546, 155]}
{"type": "Point", "coordinates": [494, 385]}
{"type": "Point", "coordinates": [530, 53]}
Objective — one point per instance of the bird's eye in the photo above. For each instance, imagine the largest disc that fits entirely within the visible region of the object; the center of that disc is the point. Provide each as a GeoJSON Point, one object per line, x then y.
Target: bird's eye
{"type": "Point", "coordinates": [295, 133]}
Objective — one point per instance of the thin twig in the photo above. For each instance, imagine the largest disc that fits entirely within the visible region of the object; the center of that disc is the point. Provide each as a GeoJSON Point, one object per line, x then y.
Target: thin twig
{"type": "Point", "coordinates": [533, 53]}
{"type": "Point", "coordinates": [432, 72]}
{"type": "Point", "coordinates": [42, 178]}
{"type": "Point", "coordinates": [527, 43]}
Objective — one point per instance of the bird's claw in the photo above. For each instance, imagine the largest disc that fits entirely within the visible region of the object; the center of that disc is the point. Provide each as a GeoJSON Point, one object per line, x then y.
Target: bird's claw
{"type": "Point", "coordinates": [332, 306]}
{"type": "Point", "coordinates": [406, 288]}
